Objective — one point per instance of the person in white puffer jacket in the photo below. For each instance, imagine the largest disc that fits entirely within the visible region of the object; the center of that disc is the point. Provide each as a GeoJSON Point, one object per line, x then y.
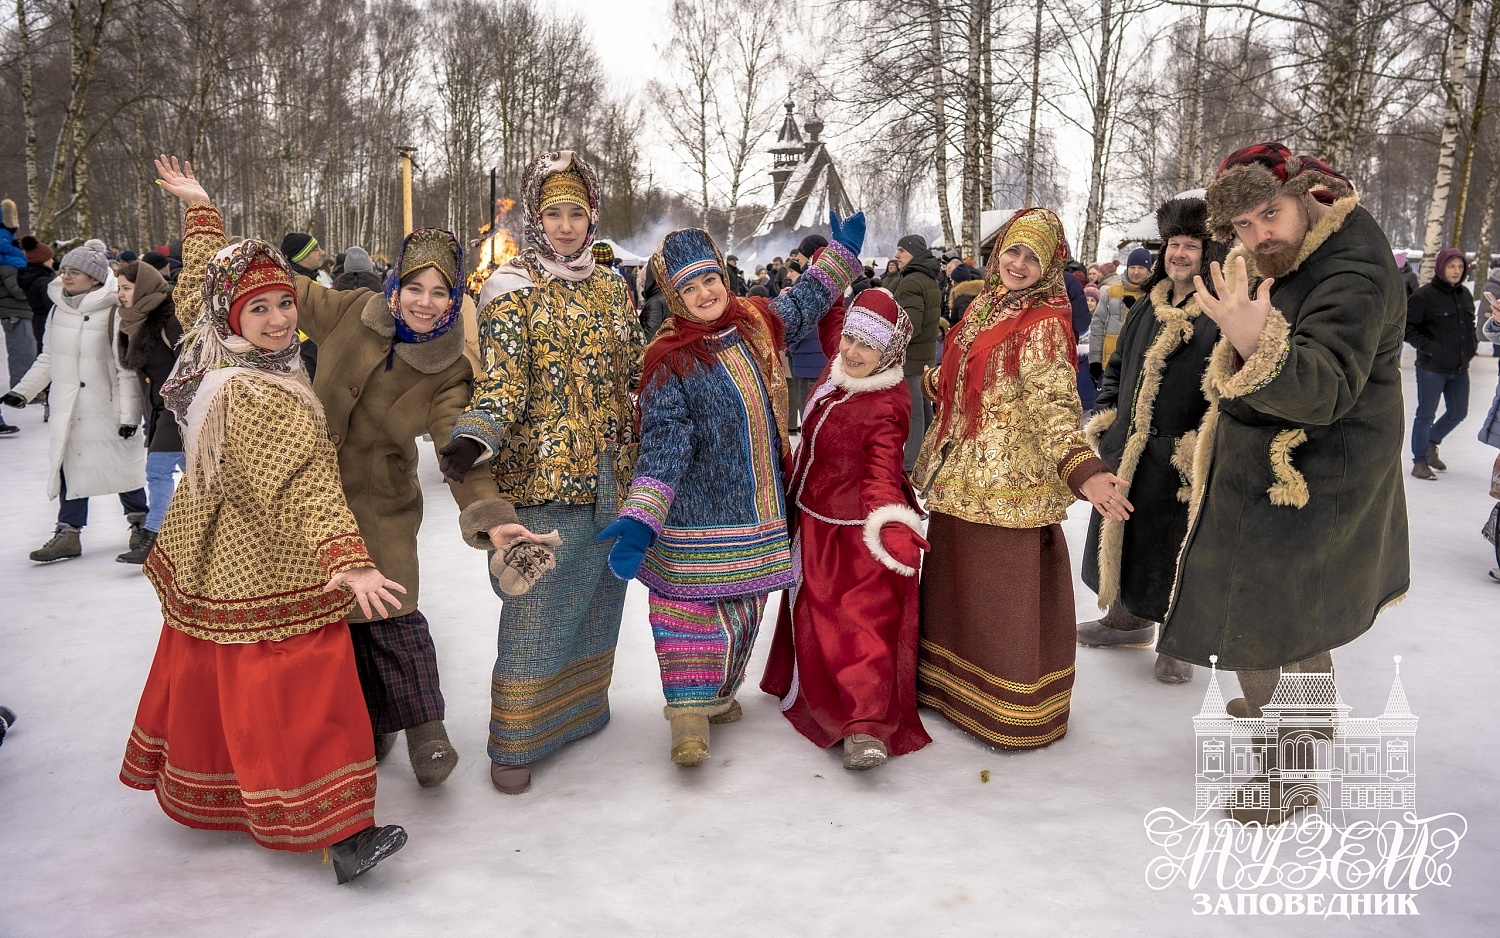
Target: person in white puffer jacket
{"type": "Point", "coordinates": [96, 405]}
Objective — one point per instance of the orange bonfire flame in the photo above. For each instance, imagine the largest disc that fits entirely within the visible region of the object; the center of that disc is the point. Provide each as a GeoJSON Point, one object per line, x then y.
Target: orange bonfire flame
{"type": "Point", "coordinates": [495, 247]}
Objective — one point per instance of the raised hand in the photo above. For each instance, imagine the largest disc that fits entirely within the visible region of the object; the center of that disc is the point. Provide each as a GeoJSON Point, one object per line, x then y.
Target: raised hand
{"type": "Point", "coordinates": [1241, 316]}
{"type": "Point", "coordinates": [850, 232]}
{"type": "Point", "coordinates": [177, 178]}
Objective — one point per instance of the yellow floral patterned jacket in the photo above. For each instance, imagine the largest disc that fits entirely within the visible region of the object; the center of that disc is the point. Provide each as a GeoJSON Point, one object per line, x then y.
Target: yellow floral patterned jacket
{"type": "Point", "coordinates": [1023, 466]}
{"type": "Point", "coordinates": [558, 363]}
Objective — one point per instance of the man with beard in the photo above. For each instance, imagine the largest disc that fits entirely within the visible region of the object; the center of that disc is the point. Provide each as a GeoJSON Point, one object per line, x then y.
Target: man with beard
{"type": "Point", "coordinates": [1297, 535]}
{"type": "Point", "coordinates": [1147, 438]}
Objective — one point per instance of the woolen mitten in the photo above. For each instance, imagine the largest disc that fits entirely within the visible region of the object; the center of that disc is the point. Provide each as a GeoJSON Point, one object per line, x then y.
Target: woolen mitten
{"type": "Point", "coordinates": [850, 232]}
{"type": "Point", "coordinates": [904, 544]}
{"type": "Point", "coordinates": [519, 564]}
{"type": "Point", "coordinates": [633, 538]}
{"type": "Point", "coordinates": [458, 457]}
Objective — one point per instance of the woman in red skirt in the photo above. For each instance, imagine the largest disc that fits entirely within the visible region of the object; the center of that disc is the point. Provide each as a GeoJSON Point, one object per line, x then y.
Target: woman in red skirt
{"type": "Point", "coordinates": [252, 717]}
{"type": "Point", "coordinates": [844, 658]}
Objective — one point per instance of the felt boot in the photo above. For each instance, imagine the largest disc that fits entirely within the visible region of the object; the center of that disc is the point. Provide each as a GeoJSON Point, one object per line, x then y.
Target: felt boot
{"type": "Point", "coordinates": [1171, 671]}
{"type": "Point", "coordinates": [1117, 629]}
{"type": "Point", "coordinates": [65, 545]}
{"type": "Point", "coordinates": [432, 755]}
{"type": "Point", "coordinates": [356, 855]}
{"type": "Point", "coordinates": [862, 751]}
{"type": "Point", "coordinates": [689, 737]}
{"type": "Point", "coordinates": [510, 779]}
{"type": "Point", "coordinates": [384, 743]}
{"type": "Point", "coordinates": [730, 715]}
{"type": "Point", "coordinates": [1433, 460]}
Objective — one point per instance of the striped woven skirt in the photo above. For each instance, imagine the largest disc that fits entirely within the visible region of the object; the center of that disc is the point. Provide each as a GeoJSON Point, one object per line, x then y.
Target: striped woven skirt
{"type": "Point", "coordinates": [702, 648]}
{"type": "Point", "coordinates": [556, 649]}
{"type": "Point", "coordinates": [269, 738]}
{"type": "Point", "coordinates": [998, 631]}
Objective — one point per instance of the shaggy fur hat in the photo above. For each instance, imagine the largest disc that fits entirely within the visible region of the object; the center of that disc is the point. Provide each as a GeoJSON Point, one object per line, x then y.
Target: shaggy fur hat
{"type": "Point", "coordinates": [1257, 174]}
{"type": "Point", "coordinates": [1186, 218]}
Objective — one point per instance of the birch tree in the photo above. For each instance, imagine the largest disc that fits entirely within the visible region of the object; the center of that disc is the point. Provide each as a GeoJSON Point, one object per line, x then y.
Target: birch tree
{"type": "Point", "coordinates": [1455, 73]}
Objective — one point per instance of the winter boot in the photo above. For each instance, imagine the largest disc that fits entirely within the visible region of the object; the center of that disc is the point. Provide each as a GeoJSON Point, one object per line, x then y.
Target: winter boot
{"type": "Point", "coordinates": [65, 545]}
{"type": "Point", "coordinates": [354, 856]}
{"type": "Point", "coordinates": [689, 737]}
{"type": "Point", "coordinates": [734, 712]}
{"type": "Point", "coordinates": [1171, 671]}
{"type": "Point", "coordinates": [510, 779]}
{"type": "Point", "coordinates": [1421, 470]}
{"type": "Point", "coordinates": [138, 550]}
{"type": "Point", "coordinates": [862, 751]}
{"type": "Point", "coordinates": [384, 743]}
{"type": "Point", "coordinates": [1117, 629]}
{"type": "Point", "coordinates": [137, 520]}
{"type": "Point", "coordinates": [7, 720]}
{"type": "Point", "coordinates": [6, 429]}
{"type": "Point", "coordinates": [432, 755]}
{"type": "Point", "coordinates": [1433, 460]}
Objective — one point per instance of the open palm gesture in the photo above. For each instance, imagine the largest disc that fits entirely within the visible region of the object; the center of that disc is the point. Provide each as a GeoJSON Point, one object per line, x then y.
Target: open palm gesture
{"type": "Point", "coordinates": [1241, 315]}
{"type": "Point", "coordinates": [178, 179]}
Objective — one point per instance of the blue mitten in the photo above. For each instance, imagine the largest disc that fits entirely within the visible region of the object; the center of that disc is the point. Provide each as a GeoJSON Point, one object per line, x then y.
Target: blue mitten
{"type": "Point", "coordinates": [850, 232]}
{"type": "Point", "coordinates": [626, 556]}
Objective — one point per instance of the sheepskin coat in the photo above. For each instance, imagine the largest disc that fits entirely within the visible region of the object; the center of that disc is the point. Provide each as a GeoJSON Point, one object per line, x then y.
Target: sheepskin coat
{"type": "Point", "coordinates": [92, 397]}
{"type": "Point", "coordinates": [1297, 532]}
{"type": "Point", "coordinates": [1147, 438]}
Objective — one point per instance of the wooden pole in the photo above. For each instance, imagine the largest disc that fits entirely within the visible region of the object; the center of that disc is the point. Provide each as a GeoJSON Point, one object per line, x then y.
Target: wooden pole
{"type": "Point", "coordinates": [406, 165]}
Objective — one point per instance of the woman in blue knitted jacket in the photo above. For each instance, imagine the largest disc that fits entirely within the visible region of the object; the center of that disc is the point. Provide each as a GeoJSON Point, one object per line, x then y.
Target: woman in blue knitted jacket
{"type": "Point", "coordinates": [704, 525]}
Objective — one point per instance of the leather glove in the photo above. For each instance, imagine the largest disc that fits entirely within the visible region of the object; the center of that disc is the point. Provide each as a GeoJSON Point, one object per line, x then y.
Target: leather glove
{"type": "Point", "coordinates": [127, 432]}
{"type": "Point", "coordinates": [630, 548]}
{"type": "Point", "coordinates": [850, 232]}
{"type": "Point", "coordinates": [458, 457]}
{"type": "Point", "coordinates": [12, 399]}
{"type": "Point", "coordinates": [904, 544]}
{"type": "Point", "coordinates": [1096, 371]}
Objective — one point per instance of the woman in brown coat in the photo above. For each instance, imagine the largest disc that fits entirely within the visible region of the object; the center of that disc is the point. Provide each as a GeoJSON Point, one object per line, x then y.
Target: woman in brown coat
{"type": "Point", "coordinates": [391, 367]}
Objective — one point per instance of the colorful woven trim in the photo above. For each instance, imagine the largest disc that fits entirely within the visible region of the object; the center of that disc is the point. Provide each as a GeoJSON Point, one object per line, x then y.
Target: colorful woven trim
{"type": "Point", "coordinates": [238, 621]}
{"type": "Point", "coordinates": [708, 265]}
{"type": "Point", "coordinates": [720, 562]}
{"type": "Point", "coordinates": [874, 331]}
{"type": "Point", "coordinates": [343, 552]}
{"type": "Point", "coordinates": [202, 220]}
{"type": "Point", "coordinates": [835, 268]}
{"type": "Point", "coordinates": [649, 501]}
{"type": "Point", "coordinates": [322, 812]}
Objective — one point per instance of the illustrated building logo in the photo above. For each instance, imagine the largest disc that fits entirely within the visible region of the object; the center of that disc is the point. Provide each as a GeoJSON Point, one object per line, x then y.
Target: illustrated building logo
{"type": "Point", "coordinates": [1306, 753]}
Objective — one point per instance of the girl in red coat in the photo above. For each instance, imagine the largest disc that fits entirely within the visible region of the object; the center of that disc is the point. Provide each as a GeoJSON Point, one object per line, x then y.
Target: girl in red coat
{"type": "Point", "coordinates": [844, 658]}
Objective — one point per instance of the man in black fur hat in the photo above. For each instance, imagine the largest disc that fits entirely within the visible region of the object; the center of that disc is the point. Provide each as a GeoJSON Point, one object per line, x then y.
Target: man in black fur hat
{"type": "Point", "coordinates": [1148, 437]}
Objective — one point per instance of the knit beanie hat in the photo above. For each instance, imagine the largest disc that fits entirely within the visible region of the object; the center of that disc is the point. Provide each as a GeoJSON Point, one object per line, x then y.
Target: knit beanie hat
{"type": "Point", "coordinates": [811, 244]}
{"type": "Point", "coordinates": [603, 253]}
{"type": "Point", "coordinates": [357, 259]}
{"type": "Point", "coordinates": [297, 245]}
{"type": "Point", "coordinates": [128, 256]}
{"type": "Point", "coordinates": [688, 253]}
{"type": "Point", "coordinates": [89, 262]}
{"type": "Point", "coordinates": [94, 244]}
{"type": "Point", "coordinates": [913, 244]}
{"type": "Point", "coordinates": [1140, 257]}
{"type": "Point", "coordinates": [262, 276]}
{"type": "Point", "coordinates": [36, 251]}
{"type": "Point", "coordinates": [877, 320]}
{"type": "Point", "coordinates": [155, 259]}
{"type": "Point", "coordinates": [1091, 290]}
{"type": "Point", "coordinates": [565, 186]}
{"type": "Point", "coordinates": [1399, 256]}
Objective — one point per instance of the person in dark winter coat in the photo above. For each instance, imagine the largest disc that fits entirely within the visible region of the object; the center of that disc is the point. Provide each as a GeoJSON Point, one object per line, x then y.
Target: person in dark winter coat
{"type": "Point", "coordinates": [653, 305]}
{"type": "Point", "coordinates": [1088, 389]}
{"type": "Point", "coordinates": [147, 343]}
{"type": "Point", "coordinates": [358, 273]}
{"type": "Point", "coordinates": [305, 256]}
{"type": "Point", "coordinates": [1297, 532]}
{"type": "Point", "coordinates": [736, 276]}
{"type": "Point", "coordinates": [34, 278]}
{"type": "Point", "coordinates": [1440, 324]}
{"type": "Point", "coordinates": [15, 307]}
{"type": "Point", "coordinates": [916, 288]}
{"type": "Point", "coordinates": [1408, 276]}
{"type": "Point", "coordinates": [1148, 410]}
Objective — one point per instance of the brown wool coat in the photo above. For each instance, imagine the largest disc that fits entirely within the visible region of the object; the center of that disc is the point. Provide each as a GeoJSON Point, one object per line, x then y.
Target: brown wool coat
{"type": "Point", "coordinates": [375, 417]}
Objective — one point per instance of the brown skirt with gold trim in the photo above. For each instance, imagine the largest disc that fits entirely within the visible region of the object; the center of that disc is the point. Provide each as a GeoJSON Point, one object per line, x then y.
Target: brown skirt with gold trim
{"type": "Point", "coordinates": [998, 636]}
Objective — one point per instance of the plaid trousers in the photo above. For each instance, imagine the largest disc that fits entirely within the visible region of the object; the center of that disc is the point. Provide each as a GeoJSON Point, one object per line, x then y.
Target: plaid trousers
{"type": "Point", "coordinates": [398, 672]}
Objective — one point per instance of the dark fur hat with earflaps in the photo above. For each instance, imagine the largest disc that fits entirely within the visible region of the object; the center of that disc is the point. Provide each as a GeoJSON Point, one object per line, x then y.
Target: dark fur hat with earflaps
{"type": "Point", "coordinates": [1257, 174]}
{"type": "Point", "coordinates": [1185, 218]}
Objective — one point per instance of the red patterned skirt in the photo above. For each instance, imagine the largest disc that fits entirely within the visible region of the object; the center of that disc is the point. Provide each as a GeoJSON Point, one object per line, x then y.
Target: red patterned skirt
{"type": "Point", "coordinates": [270, 738]}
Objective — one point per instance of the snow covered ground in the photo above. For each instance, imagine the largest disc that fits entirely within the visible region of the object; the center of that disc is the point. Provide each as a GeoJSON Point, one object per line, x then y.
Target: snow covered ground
{"type": "Point", "coordinates": [771, 837]}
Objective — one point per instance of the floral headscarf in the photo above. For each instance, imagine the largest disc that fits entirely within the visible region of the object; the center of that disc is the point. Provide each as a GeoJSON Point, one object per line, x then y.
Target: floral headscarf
{"type": "Point", "coordinates": [580, 264]}
{"type": "Point", "coordinates": [423, 248]}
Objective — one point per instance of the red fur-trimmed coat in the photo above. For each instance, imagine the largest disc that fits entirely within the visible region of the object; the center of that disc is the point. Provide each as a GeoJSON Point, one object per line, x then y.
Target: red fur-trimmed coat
{"type": "Point", "coordinates": [844, 656]}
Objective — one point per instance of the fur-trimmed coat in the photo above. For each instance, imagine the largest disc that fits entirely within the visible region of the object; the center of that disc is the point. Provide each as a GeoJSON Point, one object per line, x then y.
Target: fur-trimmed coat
{"type": "Point", "coordinates": [1297, 532]}
{"type": "Point", "coordinates": [1148, 438]}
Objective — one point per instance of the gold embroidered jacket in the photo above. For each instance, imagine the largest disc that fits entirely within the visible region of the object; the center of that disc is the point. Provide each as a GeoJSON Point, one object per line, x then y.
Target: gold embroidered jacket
{"type": "Point", "coordinates": [245, 558]}
{"type": "Point", "coordinates": [559, 361]}
{"type": "Point", "coordinates": [1025, 462]}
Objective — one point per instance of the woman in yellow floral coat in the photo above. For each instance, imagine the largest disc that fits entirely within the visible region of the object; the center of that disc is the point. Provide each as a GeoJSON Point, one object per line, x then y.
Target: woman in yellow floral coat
{"type": "Point", "coordinates": [1000, 466]}
{"type": "Point", "coordinates": [560, 348]}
